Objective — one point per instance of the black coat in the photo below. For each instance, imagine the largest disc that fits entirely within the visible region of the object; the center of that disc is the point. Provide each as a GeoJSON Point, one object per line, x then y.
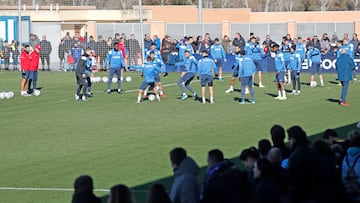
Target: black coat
{"type": "Point", "coordinates": [228, 184]}
{"type": "Point", "coordinates": [267, 190]}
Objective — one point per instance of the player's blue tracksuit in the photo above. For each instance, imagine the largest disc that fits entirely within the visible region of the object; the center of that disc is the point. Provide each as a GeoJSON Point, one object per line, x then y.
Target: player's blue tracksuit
{"type": "Point", "coordinates": [149, 70]}
{"type": "Point", "coordinates": [256, 53]}
{"type": "Point", "coordinates": [190, 69]}
{"type": "Point", "coordinates": [314, 56]}
{"type": "Point", "coordinates": [280, 67]}
{"type": "Point", "coordinates": [246, 70]}
{"type": "Point", "coordinates": [205, 67]}
{"type": "Point", "coordinates": [295, 67]}
{"type": "Point", "coordinates": [116, 61]}
{"type": "Point", "coordinates": [182, 48]}
{"type": "Point", "coordinates": [217, 53]}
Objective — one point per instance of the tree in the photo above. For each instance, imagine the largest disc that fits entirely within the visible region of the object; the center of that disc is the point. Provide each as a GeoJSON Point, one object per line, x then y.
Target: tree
{"type": "Point", "coordinates": [325, 4]}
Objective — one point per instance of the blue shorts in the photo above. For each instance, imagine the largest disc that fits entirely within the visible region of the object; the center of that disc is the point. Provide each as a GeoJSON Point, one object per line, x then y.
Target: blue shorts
{"type": "Point", "coordinates": [157, 78]}
{"type": "Point", "coordinates": [219, 63]}
{"type": "Point", "coordinates": [182, 68]}
{"type": "Point", "coordinates": [280, 77]}
{"type": "Point", "coordinates": [315, 68]}
{"type": "Point", "coordinates": [246, 81]}
{"type": "Point", "coordinates": [235, 72]}
{"type": "Point", "coordinates": [258, 65]}
{"type": "Point", "coordinates": [287, 64]}
{"type": "Point", "coordinates": [145, 84]}
{"type": "Point", "coordinates": [206, 80]}
{"type": "Point", "coordinates": [187, 78]}
{"type": "Point", "coordinates": [294, 74]}
{"type": "Point", "coordinates": [32, 75]}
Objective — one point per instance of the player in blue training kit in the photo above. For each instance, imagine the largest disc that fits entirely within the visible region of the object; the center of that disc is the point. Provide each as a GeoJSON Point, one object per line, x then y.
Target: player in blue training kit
{"type": "Point", "coordinates": [205, 67]}
{"type": "Point", "coordinates": [235, 69]}
{"type": "Point", "coordinates": [246, 71]}
{"type": "Point", "coordinates": [157, 54]}
{"type": "Point", "coordinates": [285, 49]}
{"type": "Point", "coordinates": [295, 67]}
{"type": "Point", "coordinates": [314, 62]}
{"type": "Point", "coordinates": [280, 72]}
{"type": "Point", "coordinates": [149, 70]}
{"type": "Point", "coordinates": [186, 46]}
{"type": "Point", "coordinates": [116, 61]}
{"type": "Point", "coordinates": [256, 52]}
{"type": "Point", "coordinates": [190, 71]}
{"type": "Point", "coordinates": [158, 62]}
{"type": "Point", "coordinates": [218, 54]}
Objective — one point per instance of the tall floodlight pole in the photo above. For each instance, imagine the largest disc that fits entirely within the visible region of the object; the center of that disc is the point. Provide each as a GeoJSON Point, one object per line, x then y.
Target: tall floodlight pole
{"type": "Point", "coordinates": [141, 32]}
{"type": "Point", "coordinates": [200, 12]}
{"type": "Point", "coordinates": [19, 24]}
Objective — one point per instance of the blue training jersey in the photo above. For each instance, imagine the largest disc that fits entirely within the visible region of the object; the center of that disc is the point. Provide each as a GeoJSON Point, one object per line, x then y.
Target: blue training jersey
{"type": "Point", "coordinates": [246, 66]}
{"type": "Point", "coordinates": [254, 51]}
{"type": "Point", "coordinates": [295, 61]}
{"type": "Point", "coordinates": [149, 69]}
{"type": "Point", "coordinates": [190, 64]}
{"type": "Point", "coordinates": [313, 55]}
{"type": "Point", "coordinates": [279, 62]}
{"type": "Point", "coordinates": [300, 48]}
{"type": "Point", "coordinates": [217, 51]}
{"type": "Point", "coordinates": [205, 66]}
{"type": "Point", "coordinates": [185, 47]}
{"type": "Point", "coordinates": [156, 53]}
{"type": "Point", "coordinates": [159, 63]}
{"type": "Point", "coordinates": [285, 49]}
{"type": "Point", "coordinates": [115, 58]}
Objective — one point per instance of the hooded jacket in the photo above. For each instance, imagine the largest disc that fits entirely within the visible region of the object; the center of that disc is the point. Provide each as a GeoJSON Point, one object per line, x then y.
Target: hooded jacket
{"type": "Point", "coordinates": [186, 186]}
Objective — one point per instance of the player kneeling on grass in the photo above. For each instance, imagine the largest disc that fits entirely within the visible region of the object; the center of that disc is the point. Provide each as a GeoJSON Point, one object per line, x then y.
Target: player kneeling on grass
{"type": "Point", "coordinates": [295, 67]}
{"type": "Point", "coordinates": [280, 72]}
{"type": "Point", "coordinates": [80, 73]}
{"type": "Point", "coordinates": [190, 71]}
{"type": "Point", "coordinates": [205, 67]}
{"type": "Point", "coordinates": [149, 69]}
{"type": "Point", "coordinates": [246, 71]}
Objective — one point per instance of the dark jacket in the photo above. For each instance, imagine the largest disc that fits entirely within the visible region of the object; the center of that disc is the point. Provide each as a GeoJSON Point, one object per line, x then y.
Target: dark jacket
{"type": "Point", "coordinates": [304, 173]}
{"type": "Point", "coordinates": [85, 197]}
{"type": "Point", "coordinates": [267, 190]}
{"type": "Point", "coordinates": [45, 48]}
{"type": "Point", "coordinates": [225, 183]}
{"type": "Point", "coordinates": [239, 42]}
{"type": "Point", "coordinates": [186, 186]}
{"type": "Point", "coordinates": [344, 66]}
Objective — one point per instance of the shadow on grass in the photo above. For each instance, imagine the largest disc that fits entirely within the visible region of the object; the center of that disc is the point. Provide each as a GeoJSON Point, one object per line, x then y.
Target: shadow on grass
{"type": "Point", "coordinates": [271, 94]}
{"type": "Point", "coordinates": [333, 100]}
{"type": "Point", "coordinates": [140, 191]}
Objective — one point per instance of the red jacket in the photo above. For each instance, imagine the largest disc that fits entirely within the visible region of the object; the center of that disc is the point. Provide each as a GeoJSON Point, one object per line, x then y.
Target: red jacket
{"type": "Point", "coordinates": [25, 61]}
{"type": "Point", "coordinates": [34, 63]}
{"type": "Point", "coordinates": [122, 49]}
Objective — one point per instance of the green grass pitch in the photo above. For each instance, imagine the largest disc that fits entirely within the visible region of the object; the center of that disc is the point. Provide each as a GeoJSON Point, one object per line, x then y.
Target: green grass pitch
{"type": "Point", "coordinates": [47, 141]}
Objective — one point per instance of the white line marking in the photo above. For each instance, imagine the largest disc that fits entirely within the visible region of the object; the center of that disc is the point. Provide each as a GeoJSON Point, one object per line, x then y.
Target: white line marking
{"type": "Point", "coordinates": [58, 189]}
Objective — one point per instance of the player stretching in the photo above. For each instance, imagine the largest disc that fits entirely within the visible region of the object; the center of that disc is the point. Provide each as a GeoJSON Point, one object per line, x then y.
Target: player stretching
{"type": "Point", "coordinates": [149, 70]}
{"type": "Point", "coordinates": [205, 67]}
{"type": "Point", "coordinates": [190, 71]}
{"type": "Point", "coordinates": [218, 54]}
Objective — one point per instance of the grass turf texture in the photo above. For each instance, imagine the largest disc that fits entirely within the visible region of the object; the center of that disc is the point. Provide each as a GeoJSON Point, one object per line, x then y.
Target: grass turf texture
{"type": "Point", "coordinates": [47, 141]}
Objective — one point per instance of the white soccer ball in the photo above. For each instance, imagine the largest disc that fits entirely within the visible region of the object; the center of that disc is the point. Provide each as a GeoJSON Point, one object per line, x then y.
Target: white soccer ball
{"type": "Point", "coordinates": [2, 95]}
{"type": "Point", "coordinates": [128, 79]}
{"type": "Point", "coordinates": [97, 79]}
{"type": "Point", "coordinates": [92, 79]}
{"type": "Point", "coordinates": [7, 95]}
{"type": "Point", "coordinates": [313, 84]}
{"type": "Point", "coordinates": [114, 80]}
{"type": "Point", "coordinates": [37, 93]}
{"type": "Point", "coordinates": [11, 94]}
{"type": "Point", "coordinates": [105, 79]}
{"type": "Point", "coordinates": [151, 97]}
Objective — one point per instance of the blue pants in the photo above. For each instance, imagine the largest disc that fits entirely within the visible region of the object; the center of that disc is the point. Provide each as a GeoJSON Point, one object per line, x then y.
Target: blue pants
{"type": "Point", "coordinates": [247, 81]}
{"type": "Point", "coordinates": [187, 78]}
{"type": "Point", "coordinates": [345, 87]}
{"type": "Point", "coordinates": [114, 71]}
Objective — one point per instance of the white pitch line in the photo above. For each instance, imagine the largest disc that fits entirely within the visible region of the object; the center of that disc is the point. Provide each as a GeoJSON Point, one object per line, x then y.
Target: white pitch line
{"type": "Point", "coordinates": [58, 189]}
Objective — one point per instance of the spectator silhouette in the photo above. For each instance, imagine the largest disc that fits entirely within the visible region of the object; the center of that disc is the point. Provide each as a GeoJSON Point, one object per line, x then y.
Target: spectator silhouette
{"type": "Point", "coordinates": [83, 192]}
{"type": "Point", "coordinates": [157, 194]}
{"type": "Point", "coordinates": [120, 194]}
{"type": "Point", "coordinates": [186, 186]}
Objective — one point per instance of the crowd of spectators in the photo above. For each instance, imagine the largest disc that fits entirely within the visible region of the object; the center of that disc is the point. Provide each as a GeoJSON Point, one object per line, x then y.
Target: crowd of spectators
{"type": "Point", "coordinates": [70, 47]}
{"type": "Point", "coordinates": [325, 170]}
